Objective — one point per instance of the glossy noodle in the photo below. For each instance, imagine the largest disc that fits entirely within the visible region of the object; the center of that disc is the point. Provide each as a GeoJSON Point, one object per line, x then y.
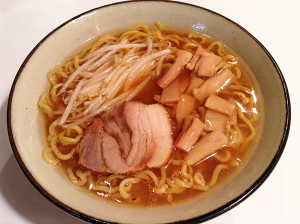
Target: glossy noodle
{"type": "Point", "coordinates": [117, 69]}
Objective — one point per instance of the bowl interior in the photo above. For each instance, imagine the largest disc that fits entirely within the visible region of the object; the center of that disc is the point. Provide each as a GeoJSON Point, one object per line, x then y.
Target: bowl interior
{"type": "Point", "coordinates": [28, 134]}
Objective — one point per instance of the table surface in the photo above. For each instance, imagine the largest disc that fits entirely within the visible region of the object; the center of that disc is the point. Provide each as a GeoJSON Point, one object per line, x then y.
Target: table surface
{"type": "Point", "coordinates": [274, 23]}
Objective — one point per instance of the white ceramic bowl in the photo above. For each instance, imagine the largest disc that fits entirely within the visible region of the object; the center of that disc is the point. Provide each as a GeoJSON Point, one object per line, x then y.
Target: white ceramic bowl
{"type": "Point", "coordinates": [25, 122]}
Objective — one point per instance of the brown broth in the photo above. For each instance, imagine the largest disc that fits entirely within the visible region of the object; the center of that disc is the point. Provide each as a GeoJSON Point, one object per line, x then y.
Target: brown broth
{"type": "Point", "coordinates": [142, 192]}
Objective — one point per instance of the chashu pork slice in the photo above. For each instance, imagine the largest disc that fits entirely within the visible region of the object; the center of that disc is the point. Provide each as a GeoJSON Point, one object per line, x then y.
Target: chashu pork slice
{"type": "Point", "coordinates": [91, 149]}
{"type": "Point", "coordinates": [112, 155]}
{"type": "Point", "coordinates": [116, 126]}
{"type": "Point", "coordinates": [144, 129]}
{"type": "Point", "coordinates": [161, 133]}
{"type": "Point", "coordinates": [143, 146]}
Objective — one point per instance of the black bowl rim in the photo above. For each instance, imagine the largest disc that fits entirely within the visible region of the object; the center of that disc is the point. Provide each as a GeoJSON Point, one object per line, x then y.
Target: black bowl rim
{"type": "Point", "coordinates": [198, 219]}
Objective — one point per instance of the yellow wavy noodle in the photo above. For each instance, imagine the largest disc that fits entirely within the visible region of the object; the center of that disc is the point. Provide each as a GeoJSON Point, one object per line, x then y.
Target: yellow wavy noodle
{"type": "Point", "coordinates": [161, 190]}
{"type": "Point", "coordinates": [159, 25]}
{"type": "Point", "coordinates": [76, 61]}
{"type": "Point", "coordinates": [53, 91]}
{"type": "Point", "coordinates": [128, 181]}
{"type": "Point", "coordinates": [163, 178]}
{"type": "Point", "coordinates": [184, 183]}
{"type": "Point", "coordinates": [46, 104]}
{"type": "Point", "coordinates": [113, 177]}
{"type": "Point", "coordinates": [187, 180]}
{"type": "Point", "coordinates": [142, 175]}
{"type": "Point", "coordinates": [218, 46]}
{"type": "Point", "coordinates": [239, 134]}
{"type": "Point", "coordinates": [60, 72]}
{"type": "Point", "coordinates": [216, 174]}
{"type": "Point", "coordinates": [66, 140]}
{"type": "Point", "coordinates": [238, 72]}
{"type": "Point", "coordinates": [108, 186]}
{"type": "Point", "coordinates": [189, 46]}
{"type": "Point", "coordinates": [175, 190]}
{"type": "Point", "coordinates": [58, 153]}
{"type": "Point", "coordinates": [49, 156]}
{"type": "Point", "coordinates": [116, 185]}
{"type": "Point", "coordinates": [199, 182]}
{"type": "Point", "coordinates": [241, 88]}
{"type": "Point", "coordinates": [172, 39]}
{"type": "Point", "coordinates": [52, 77]}
{"type": "Point", "coordinates": [87, 50]}
{"type": "Point", "coordinates": [136, 36]}
{"type": "Point", "coordinates": [228, 130]}
{"type": "Point", "coordinates": [244, 99]}
{"type": "Point", "coordinates": [236, 137]}
{"type": "Point", "coordinates": [222, 65]}
{"type": "Point", "coordinates": [81, 177]}
{"type": "Point", "coordinates": [152, 175]}
{"type": "Point", "coordinates": [193, 36]}
{"type": "Point", "coordinates": [106, 189]}
{"type": "Point", "coordinates": [248, 123]}
{"type": "Point", "coordinates": [141, 27]}
{"type": "Point", "coordinates": [70, 66]}
{"type": "Point", "coordinates": [199, 179]}
{"type": "Point", "coordinates": [223, 158]}
{"type": "Point", "coordinates": [229, 59]}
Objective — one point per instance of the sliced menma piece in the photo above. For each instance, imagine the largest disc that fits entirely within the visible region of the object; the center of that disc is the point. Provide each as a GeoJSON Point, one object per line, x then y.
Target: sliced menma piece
{"type": "Point", "coordinates": [187, 121]}
{"type": "Point", "coordinates": [201, 112]}
{"type": "Point", "coordinates": [172, 93]}
{"type": "Point", "coordinates": [192, 64]}
{"type": "Point", "coordinates": [190, 135]}
{"type": "Point", "coordinates": [214, 85]}
{"type": "Point", "coordinates": [157, 99]}
{"type": "Point", "coordinates": [184, 81]}
{"type": "Point", "coordinates": [194, 84]}
{"type": "Point", "coordinates": [184, 107]}
{"type": "Point", "coordinates": [206, 146]}
{"type": "Point", "coordinates": [215, 121]}
{"type": "Point", "coordinates": [161, 134]}
{"type": "Point", "coordinates": [207, 63]}
{"type": "Point", "coordinates": [219, 104]}
{"type": "Point", "coordinates": [183, 57]}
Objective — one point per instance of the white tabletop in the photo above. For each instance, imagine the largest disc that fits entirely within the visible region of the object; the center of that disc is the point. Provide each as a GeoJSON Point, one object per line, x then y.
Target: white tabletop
{"type": "Point", "coordinates": [274, 23]}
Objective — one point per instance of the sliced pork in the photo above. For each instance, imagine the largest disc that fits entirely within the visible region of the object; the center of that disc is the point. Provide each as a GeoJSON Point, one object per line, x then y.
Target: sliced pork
{"type": "Point", "coordinates": [91, 149]}
{"type": "Point", "coordinates": [135, 114]}
{"type": "Point", "coordinates": [162, 135]}
{"type": "Point", "coordinates": [115, 125]}
{"type": "Point", "coordinates": [112, 155]}
{"type": "Point", "coordinates": [127, 138]}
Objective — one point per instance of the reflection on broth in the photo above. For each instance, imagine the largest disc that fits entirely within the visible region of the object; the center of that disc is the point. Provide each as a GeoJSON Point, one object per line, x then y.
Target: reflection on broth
{"type": "Point", "coordinates": [151, 116]}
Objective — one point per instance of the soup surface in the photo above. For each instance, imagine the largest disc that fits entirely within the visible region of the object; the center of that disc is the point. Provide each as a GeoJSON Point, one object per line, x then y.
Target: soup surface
{"type": "Point", "coordinates": [212, 105]}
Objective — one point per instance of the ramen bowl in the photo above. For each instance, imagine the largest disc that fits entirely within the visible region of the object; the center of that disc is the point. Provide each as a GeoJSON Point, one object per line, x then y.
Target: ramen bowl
{"type": "Point", "coordinates": [27, 133]}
